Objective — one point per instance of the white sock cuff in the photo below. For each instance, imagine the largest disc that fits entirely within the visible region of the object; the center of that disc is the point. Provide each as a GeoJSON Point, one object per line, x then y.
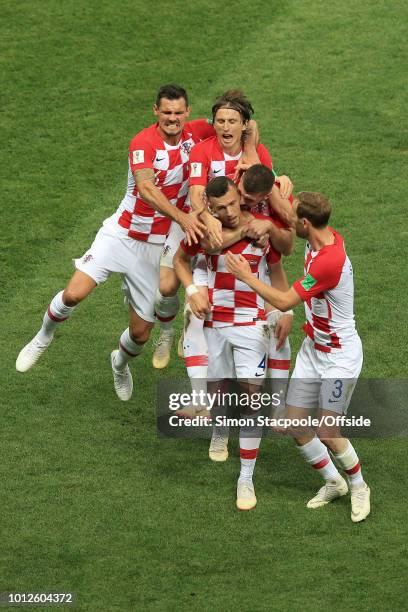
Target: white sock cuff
{"type": "Point", "coordinates": [166, 307]}
{"type": "Point", "coordinates": [58, 308]}
{"type": "Point", "coordinates": [129, 346]}
{"type": "Point", "coordinates": [313, 451]}
{"type": "Point", "coordinates": [348, 458]}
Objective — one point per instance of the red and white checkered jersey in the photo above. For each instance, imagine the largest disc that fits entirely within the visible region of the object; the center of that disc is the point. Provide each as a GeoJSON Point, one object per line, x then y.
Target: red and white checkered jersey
{"type": "Point", "coordinates": [170, 165]}
{"type": "Point", "coordinates": [327, 289]}
{"type": "Point", "coordinates": [208, 160]}
{"type": "Point", "coordinates": [232, 301]}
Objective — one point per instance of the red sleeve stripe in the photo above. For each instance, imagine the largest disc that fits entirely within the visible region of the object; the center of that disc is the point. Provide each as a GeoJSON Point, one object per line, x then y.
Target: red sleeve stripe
{"type": "Point", "coordinates": [248, 453]}
{"type": "Point", "coordinates": [354, 469]}
{"type": "Point", "coordinates": [279, 364]}
{"type": "Point", "coordinates": [321, 464]}
{"type": "Point", "coordinates": [196, 360]}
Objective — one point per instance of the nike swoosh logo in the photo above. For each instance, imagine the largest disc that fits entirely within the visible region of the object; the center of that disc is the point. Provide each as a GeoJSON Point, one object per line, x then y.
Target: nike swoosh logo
{"type": "Point", "coordinates": [333, 401]}
{"type": "Point", "coordinates": [216, 171]}
{"type": "Point", "coordinates": [161, 159]}
{"type": "Point", "coordinates": [257, 375]}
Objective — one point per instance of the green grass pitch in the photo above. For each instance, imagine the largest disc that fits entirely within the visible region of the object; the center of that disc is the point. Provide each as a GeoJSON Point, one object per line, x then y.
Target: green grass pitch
{"type": "Point", "coordinates": [91, 501]}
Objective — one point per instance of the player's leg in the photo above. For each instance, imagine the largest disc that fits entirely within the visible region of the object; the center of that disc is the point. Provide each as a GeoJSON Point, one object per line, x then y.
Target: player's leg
{"type": "Point", "coordinates": [250, 351]}
{"type": "Point", "coordinates": [167, 301]}
{"type": "Point", "coordinates": [347, 459]}
{"type": "Point", "coordinates": [220, 370]}
{"type": "Point", "coordinates": [131, 344]}
{"type": "Point", "coordinates": [278, 365]}
{"type": "Point", "coordinates": [195, 343]}
{"type": "Point", "coordinates": [302, 402]}
{"type": "Point", "coordinates": [336, 393]}
{"type": "Point", "coordinates": [91, 269]}
{"type": "Point", "coordinates": [140, 283]}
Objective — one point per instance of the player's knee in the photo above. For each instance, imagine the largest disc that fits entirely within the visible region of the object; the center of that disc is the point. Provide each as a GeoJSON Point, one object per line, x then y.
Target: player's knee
{"type": "Point", "coordinates": [139, 333]}
{"type": "Point", "coordinates": [169, 286]}
{"type": "Point", "coordinates": [72, 297]}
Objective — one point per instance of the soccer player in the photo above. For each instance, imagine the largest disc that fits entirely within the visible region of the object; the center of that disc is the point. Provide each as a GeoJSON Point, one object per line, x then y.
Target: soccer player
{"type": "Point", "coordinates": [330, 359]}
{"type": "Point", "coordinates": [235, 323]}
{"type": "Point", "coordinates": [254, 187]}
{"type": "Point", "coordinates": [235, 137]}
{"type": "Point", "coordinates": [131, 240]}
{"type": "Point", "coordinates": [220, 154]}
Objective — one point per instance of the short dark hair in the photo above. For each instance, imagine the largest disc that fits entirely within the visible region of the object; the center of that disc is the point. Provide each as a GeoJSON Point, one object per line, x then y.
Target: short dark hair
{"type": "Point", "coordinates": [314, 207]}
{"type": "Point", "coordinates": [171, 92]}
{"type": "Point", "coordinates": [235, 99]}
{"type": "Point", "coordinates": [258, 179]}
{"type": "Point", "coordinates": [218, 186]}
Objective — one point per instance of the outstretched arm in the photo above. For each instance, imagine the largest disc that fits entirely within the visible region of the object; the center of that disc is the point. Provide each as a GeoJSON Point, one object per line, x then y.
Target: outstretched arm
{"type": "Point", "coordinates": [145, 182]}
{"type": "Point", "coordinates": [282, 300]}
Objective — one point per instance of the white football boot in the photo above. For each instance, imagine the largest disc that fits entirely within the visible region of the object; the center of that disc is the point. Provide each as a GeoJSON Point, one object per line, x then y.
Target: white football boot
{"type": "Point", "coordinates": [218, 450]}
{"type": "Point", "coordinates": [161, 355]}
{"type": "Point", "coordinates": [122, 380]}
{"type": "Point", "coordinates": [360, 503]}
{"type": "Point", "coordinates": [30, 354]}
{"type": "Point", "coordinates": [329, 492]}
{"type": "Point", "coordinates": [246, 499]}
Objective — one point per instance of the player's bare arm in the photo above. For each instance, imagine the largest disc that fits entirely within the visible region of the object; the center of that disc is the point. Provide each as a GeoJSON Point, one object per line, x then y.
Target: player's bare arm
{"type": "Point", "coordinates": [281, 238]}
{"type": "Point", "coordinates": [282, 300]}
{"type": "Point", "coordinates": [286, 186]}
{"type": "Point", "coordinates": [198, 302]}
{"type": "Point", "coordinates": [284, 322]}
{"type": "Point", "coordinates": [145, 181]}
{"type": "Point", "coordinates": [229, 237]}
{"type": "Point", "coordinates": [280, 204]}
{"type": "Point", "coordinates": [249, 153]}
{"type": "Point", "coordinates": [213, 225]}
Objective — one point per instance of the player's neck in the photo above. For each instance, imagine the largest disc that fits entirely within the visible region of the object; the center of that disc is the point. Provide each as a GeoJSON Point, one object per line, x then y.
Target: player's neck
{"type": "Point", "coordinates": [320, 238]}
{"type": "Point", "coordinates": [231, 151]}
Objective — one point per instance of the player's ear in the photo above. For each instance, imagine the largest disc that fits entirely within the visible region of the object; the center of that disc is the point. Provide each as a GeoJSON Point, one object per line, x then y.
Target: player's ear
{"type": "Point", "coordinates": [188, 111]}
{"type": "Point", "coordinates": [155, 109]}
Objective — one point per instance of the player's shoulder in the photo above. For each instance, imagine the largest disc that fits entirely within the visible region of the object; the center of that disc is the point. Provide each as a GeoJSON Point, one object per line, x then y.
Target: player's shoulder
{"type": "Point", "coordinates": [148, 135]}
{"type": "Point", "coordinates": [199, 129]}
{"type": "Point", "coordinates": [330, 259]}
{"type": "Point", "coordinates": [262, 148]}
{"type": "Point", "coordinates": [205, 146]}
{"type": "Point", "coordinates": [261, 216]}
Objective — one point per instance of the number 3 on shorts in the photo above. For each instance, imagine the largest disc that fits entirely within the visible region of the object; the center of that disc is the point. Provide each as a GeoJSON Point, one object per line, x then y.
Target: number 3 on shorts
{"type": "Point", "coordinates": [338, 389]}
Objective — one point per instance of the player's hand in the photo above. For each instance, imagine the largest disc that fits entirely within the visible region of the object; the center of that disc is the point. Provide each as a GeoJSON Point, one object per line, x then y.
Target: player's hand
{"type": "Point", "coordinates": [214, 231]}
{"type": "Point", "coordinates": [246, 161]}
{"type": "Point", "coordinates": [199, 305]}
{"type": "Point", "coordinates": [238, 266]}
{"type": "Point", "coordinates": [192, 226]}
{"type": "Point", "coordinates": [282, 329]}
{"type": "Point", "coordinates": [262, 241]}
{"type": "Point", "coordinates": [286, 186]}
{"type": "Point", "coordinates": [256, 228]}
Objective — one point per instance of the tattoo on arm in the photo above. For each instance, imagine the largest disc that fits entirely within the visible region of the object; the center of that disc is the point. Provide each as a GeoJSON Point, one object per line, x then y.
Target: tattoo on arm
{"type": "Point", "coordinates": [145, 174]}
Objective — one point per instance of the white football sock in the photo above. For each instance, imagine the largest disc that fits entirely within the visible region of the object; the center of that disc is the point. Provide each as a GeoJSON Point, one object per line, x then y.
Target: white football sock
{"type": "Point", "coordinates": [128, 349]}
{"type": "Point", "coordinates": [315, 453]}
{"type": "Point", "coordinates": [249, 441]}
{"type": "Point", "coordinates": [166, 309]}
{"type": "Point", "coordinates": [57, 312]}
{"type": "Point", "coordinates": [349, 462]}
